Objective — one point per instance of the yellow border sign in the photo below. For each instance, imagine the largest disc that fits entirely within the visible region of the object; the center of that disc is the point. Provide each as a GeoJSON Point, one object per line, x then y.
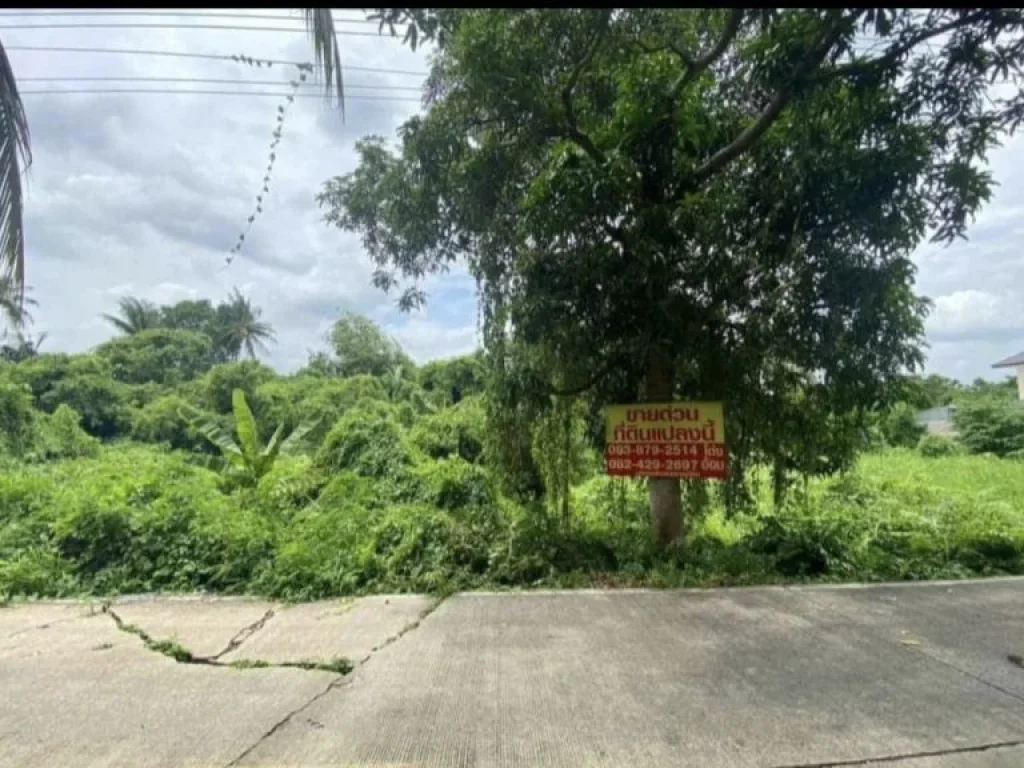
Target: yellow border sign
{"type": "Point", "coordinates": [666, 440]}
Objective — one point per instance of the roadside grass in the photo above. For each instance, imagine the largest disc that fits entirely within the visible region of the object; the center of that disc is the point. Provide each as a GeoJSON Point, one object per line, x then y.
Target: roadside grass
{"type": "Point", "coordinates": [135, 519]}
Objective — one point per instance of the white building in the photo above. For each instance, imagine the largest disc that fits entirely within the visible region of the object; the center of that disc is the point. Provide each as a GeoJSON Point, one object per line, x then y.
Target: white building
{"type": "Point", "coordinates": [1016, 362]}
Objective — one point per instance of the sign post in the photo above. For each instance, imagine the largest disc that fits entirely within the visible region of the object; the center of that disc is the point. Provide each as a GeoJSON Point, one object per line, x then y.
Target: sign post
{"type": "Point", "coordinates": [666, 440]}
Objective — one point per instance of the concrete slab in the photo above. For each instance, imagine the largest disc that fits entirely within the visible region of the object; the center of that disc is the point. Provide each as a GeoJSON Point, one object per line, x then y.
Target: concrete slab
{"type": "Point", "coordinates": [204, 625]}
{"type": "Point", "coordinates": [712, 679]}
{"type": "Point", "coordinates": [1012, 757]}
{"type": "Point", "coordinates": [91, 695]}
{"type": "Point", "coordinates": [973, 627]}
{"type": "Point", "coordinates": [21, 617]}
{"type": "Point", "coordinates": [332, 629]}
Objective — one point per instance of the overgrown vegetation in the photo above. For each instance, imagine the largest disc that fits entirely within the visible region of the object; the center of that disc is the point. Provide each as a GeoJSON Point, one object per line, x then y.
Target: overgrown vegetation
{"type": "Point", "coordinates": [401, 488]}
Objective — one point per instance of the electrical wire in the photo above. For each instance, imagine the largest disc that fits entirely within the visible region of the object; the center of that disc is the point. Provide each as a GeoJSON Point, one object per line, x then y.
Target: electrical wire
{"type": "Point", "coordinates": [180, 14]}
{"type": "Point", "coordinates": [186, 55]}
{"type": "Point", "coordinates": [278, 94]}
{"type": "Point", "coordinates": [207, 80]}
{"type": "Point", "coordinates": [229, 27]}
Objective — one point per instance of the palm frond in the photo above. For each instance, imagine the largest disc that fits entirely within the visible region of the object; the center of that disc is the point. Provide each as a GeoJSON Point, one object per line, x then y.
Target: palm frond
{"type": "Point", "coordinates": [327, 57]}
{"type": "Point", "coordinates": [15, 156]}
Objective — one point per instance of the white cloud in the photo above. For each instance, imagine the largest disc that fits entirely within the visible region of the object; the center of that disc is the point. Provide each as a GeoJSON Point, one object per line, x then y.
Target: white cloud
{"type": "Point", "coordinates": [144, 194]}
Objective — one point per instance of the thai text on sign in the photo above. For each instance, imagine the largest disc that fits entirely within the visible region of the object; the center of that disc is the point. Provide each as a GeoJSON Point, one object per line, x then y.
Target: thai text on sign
{"type": "Point", "coordinates": [666, 440]}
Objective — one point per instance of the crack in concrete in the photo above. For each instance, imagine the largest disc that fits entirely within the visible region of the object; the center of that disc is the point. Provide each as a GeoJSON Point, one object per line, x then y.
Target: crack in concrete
{"type": "Point", "coordinates": [900, 758]}
{"type": "Point", "coordinates": [404, 630]}
{"type": "Point", "coordinates": [244, 634]}
{"type": "Point", "coordinates": [183, 655]}
{"type": "Point", "coordinates": [337, 683]}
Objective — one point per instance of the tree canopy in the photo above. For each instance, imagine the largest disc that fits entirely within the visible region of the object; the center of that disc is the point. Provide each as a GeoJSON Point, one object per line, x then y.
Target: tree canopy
{"type": "Point", "coordinates": [686, 203]}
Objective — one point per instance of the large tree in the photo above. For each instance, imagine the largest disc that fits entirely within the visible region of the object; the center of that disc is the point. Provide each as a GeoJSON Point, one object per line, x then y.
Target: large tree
{"type": "Point", "coordinates": [667, 203]}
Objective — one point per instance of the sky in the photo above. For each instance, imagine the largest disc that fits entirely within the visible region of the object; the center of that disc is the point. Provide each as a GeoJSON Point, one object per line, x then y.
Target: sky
{"type": "Point", "coordinates": [145, 194]}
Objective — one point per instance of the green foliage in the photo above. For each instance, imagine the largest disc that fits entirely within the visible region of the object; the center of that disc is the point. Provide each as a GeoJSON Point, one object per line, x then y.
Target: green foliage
{"type": "Point", "coordinates": [16, 418]}
{"type": "Point", "coordinates": [216, 388]}
{"type": "Point", "coordinates": [990, 424]}
{"type": "Point", "coordinates": [161, 421]}
{"type": "Point", "coordinates": [900, 427]}
{"type": "Point", "coordinates": [101, 401]}
{"type": "Point", "coordinates": [457, 431]}
{"type": "Point", "coordinates": [361, 347]}
{"type": "Point", "coordinates": [933, 446]}
{"type": "Point", "coordinates": [247, 459]}
{"type": "Point", "coordinates": [158, 355]}
{"type": "Point", "coordinates": [454, 484]}
{"type": "Point", "coordinates": [449, 381]}
{"type": "Point", "coordinates": [368, 440]}
{"type": "Point", "coordinates": [133, 519]}
{"type": "Point", "coordinates": [59, 435]}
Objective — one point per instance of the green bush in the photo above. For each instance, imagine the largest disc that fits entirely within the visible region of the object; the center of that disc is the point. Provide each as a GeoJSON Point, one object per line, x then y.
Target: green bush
{"type": "Point", "coordinates": [453, 484]}
{"type": "Point", "coordinates": [158, 355]}
{"type": "Point", "coordinates": [16, 418]}
{"type": "Point", "coordinates": [131, 520]}
{"type": "Point", "coordinates": [217, 384]}
{"type": "Point", "coordinates": [161, 421]}
{"type": "Point", "coordinates": [101, 401]}
{"type": "Point", "coordinates": [990, 424]}
{"type": "Point", "coordinates": [457, 431]}
{"type": "Point", "coordinates": [900, 428]}
{"type": "Point", "coordinates": [932, 446]}
{"type": "Point", "coordinates": [59, 435]}
{"type": "Point", "coordinates": [368, 441]}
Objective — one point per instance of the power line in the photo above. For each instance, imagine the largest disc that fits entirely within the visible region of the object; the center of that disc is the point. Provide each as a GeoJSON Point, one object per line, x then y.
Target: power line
{"type": "Point", "coordinates": [278, 94]}
{"type": "Point", "coordinates": [229, 27]}
{"type": "Point", "coordinates": [208, 80]}
{"type": "Point", "coordinates": [186, 55]}
{"type": "Point", "coordinates": [180, 14]}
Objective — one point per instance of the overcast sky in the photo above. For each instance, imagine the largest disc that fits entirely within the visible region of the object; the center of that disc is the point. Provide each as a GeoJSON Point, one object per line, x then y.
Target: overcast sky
{"type": "Point", "coordinates": [144, 194]}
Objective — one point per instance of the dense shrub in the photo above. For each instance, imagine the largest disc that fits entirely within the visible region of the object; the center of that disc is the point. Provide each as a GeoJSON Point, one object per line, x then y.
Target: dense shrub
{"type": "Point", "coordinates": [217, 384]}
{"type": "Point", "coordinates": [368, 441]}
{"type": "Point", "coordinates": [16, 418]}
{"type": "Point", "coordinates": [59, 435]}
{"type": "Point", "coordinates": [990, 424]}
{"type": "Point", "coordinates": [937, 445]}
{"type": "Point", "coordinates": [900, 428]}
{"type": "Point", "coordinates": [161, 421]}
{"type": "Point", "coordinates": [158, 355]}
{"type": "Point", "coordinates": [101, 401]}
{"type": "Point", "coordinates": [457, 431]}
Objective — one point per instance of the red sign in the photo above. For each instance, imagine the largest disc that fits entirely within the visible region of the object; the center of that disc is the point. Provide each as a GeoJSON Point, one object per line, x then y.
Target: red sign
{"type": "Point", "coordinates": [693, 460]}
{"type": "Point", "coordinates": [666, 440]}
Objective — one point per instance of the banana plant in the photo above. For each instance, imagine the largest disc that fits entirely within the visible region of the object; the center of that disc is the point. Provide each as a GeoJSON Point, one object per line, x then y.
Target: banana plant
{"type": "Point", "coordinates": [246, 459]}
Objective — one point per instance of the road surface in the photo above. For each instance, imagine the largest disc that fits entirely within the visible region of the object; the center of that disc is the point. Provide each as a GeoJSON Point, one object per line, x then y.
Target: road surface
{"type": "Point", "coordinates": [907, 676]}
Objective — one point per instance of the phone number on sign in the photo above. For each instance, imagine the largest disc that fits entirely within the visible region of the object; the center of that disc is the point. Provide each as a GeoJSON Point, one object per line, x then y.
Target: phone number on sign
{"type": "Point", "coordinates": [703, 467]}
{"type": "Point", "coordinates": [665, 450]}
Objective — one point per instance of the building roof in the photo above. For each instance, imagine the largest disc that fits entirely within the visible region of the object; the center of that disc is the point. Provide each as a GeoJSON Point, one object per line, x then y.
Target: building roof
{"type": "Point", "coordinates": [1011, 362]}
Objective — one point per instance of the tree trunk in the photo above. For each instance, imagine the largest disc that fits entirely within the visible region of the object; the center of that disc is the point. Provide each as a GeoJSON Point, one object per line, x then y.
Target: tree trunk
{"type": "Point", "coordinates": [666, 505]}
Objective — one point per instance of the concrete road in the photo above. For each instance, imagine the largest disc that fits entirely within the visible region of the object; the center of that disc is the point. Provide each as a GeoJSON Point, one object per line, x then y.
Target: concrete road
{"type": "Point", "coordinates": [909, 676]}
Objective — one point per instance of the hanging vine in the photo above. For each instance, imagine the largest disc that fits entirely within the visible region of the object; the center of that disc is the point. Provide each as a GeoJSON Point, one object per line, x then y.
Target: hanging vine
{"type": "Point", "coordinates": [305, 69]}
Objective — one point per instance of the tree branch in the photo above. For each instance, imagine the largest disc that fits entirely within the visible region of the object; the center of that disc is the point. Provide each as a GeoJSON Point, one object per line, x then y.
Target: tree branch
{"type": "Point", "coordinates": [774, 108]}
{"type": "Point", "coordinates": [695, 67]}
{"type": "Point", "coordinates": [894, 54]}
{"type": "Point", "coordinates": [573, 132]}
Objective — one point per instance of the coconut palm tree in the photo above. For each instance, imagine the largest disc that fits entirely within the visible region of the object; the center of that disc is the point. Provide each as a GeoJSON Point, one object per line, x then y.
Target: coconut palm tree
{"type": "Point", "coordinates": [16, 149]}
{"type": "Point", "coordinates": [135, 315]}
{"type": "Point", "coordinates": [13, 314]}
{"type": "Point", "coordinates": [240, 327]}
